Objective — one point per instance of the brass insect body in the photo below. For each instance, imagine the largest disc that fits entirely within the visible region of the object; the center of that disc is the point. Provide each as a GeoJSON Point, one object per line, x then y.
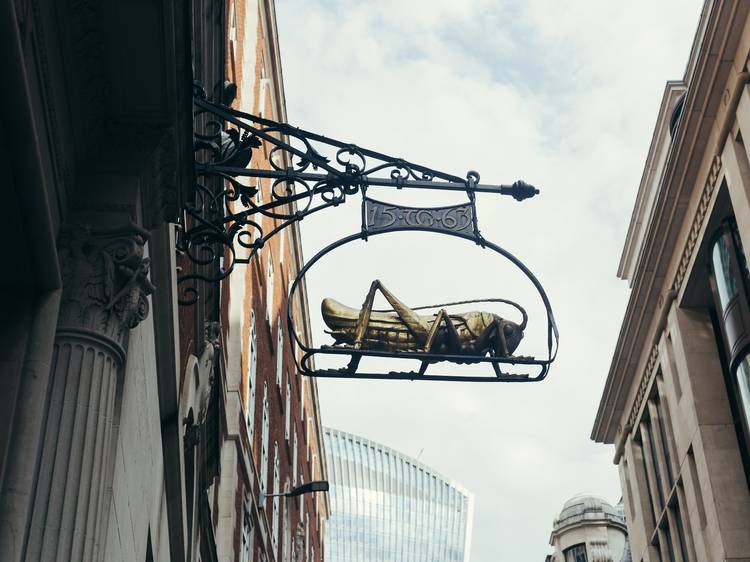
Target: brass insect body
{"type": "Point", "coordinates": [470, 333]}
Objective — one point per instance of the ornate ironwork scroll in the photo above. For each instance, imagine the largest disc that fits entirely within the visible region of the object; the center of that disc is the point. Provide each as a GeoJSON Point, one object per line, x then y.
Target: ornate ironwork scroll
{"type": "Point", "coordinates": [307, 173]}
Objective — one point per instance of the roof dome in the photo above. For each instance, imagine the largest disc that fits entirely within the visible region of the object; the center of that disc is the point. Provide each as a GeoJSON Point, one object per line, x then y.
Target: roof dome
{"type": "Point", "coordinates": [588, 507]}
{"type": "Point", "coordinates": [588, 500]}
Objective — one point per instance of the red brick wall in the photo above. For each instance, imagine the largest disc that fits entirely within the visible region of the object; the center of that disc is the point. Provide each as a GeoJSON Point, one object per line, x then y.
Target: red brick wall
{"type": "Point", "coordinates": [255, 276]}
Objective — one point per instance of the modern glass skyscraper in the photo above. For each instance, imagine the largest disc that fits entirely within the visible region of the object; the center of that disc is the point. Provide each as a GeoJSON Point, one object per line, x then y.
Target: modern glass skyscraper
{"type": "Point", "coordinates": [387, 507]}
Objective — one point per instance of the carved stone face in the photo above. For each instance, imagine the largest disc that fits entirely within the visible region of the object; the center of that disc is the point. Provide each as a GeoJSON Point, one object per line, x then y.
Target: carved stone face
{"type": "Point", "coordinates": [513, 335]}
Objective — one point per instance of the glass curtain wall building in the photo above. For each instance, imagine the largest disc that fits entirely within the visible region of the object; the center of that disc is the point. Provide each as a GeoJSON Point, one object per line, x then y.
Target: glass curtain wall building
{"type": "Point", "coordinates": [388, 507]}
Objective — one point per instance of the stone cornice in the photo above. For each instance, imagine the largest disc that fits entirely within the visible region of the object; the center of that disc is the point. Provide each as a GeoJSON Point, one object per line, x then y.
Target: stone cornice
{"type": "Point", "coordinates": [708, 71]}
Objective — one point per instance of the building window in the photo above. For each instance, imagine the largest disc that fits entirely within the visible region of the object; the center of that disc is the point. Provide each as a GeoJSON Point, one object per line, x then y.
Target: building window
{"type": "Point", "coordinates": [279, 355]}
{"type": "Point", "coordinates": [294, 458]}
{"type": "Point", "coordinates": [729, 276]}
{"type": "Point", "coordinates": [252, 369]}
{"type": "Point", "coordinates": [233, 41]}
{"type": "Point", "coordinates": [149, 548]}
{"type": "Point", "coordinates": [722, 262]}
{"type": "Point", "coordinates": [282, 245]}
{"type": "Point", "coordinates": [232, 24]}
{"type": "Point", "coordinates": [264, 442]}
{"type": "Point", "coordinates": [654, 441]}
{"type": "Point", "coordinates": [287, 531]}
{"type": "Point", "coordinates": [308, 436]}
{"type": "Point", "coordinates": [246, 549]}
{"type": "Point", "coordinates": [269, 289]}
{"type": "Point", "coordinates": [288, 410]}
{"type": "Point", "coordinates": [576, 553]}
{"type": "Point", "coordinates": [259, 193]}
{"type": "Point", "coordinates": [742, 375]}
{"type": "Point", "coordinates": [307, 535]}
{"type": "Point", "coordinates": [276, 499]}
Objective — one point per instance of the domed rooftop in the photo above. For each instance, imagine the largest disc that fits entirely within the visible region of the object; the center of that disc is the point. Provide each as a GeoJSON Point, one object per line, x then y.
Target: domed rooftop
{"type": "Point", "coordinates": [589, 508]}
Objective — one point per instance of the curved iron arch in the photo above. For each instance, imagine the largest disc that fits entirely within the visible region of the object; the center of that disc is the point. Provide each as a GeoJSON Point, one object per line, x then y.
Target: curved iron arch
{"type": "Point", "coordinates": [304, 364]}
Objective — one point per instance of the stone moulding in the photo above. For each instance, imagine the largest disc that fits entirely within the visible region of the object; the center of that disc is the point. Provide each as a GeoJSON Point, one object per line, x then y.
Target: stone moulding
{"type": "Point", "coordinates": [643, 385]}
{"type": "Point", "coordinates": [691, 243]}
{"type": "Point", "coordinates": [697, 225]}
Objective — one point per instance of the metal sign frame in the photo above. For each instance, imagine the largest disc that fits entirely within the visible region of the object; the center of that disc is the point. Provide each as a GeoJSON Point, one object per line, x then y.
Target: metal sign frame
{"type": "Point", "coordinates": [459, 221]}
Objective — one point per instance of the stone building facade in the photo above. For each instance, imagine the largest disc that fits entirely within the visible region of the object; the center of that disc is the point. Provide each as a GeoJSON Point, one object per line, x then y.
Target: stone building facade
{"type": "Point", "coordinates": [589, 529]}
{"type": "Point", "coordinates": [96, 160]}
{"type": "Point", "coordinates": [676, 403]}
{"type": "Point", "coordinates": [123, 427]}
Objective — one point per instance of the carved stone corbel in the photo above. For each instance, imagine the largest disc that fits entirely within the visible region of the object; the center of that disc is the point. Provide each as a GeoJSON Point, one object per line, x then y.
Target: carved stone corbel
{"type": "Point", "coordinates": [105, 282]}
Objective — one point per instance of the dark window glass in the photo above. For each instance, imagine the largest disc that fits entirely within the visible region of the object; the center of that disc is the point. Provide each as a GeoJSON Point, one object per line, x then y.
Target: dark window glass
{"type": "Point", "coordinates": [680, 531]}
{"type": "Point", "coordinates": [743, 384]}
{"type": "Point", "coordinates": [664, 442]}
{"type": "Point", "coordinates": [668, 541]}
{"type": "Point", "coordinates": [149, 549]}
{"type": "Point", "coordinates": [647, 426]}
{"type": "Point", "coordinates": [576, 553]}
{"type": "Point", "coordinates": [721, 257]}
{"type": "Point", "coordinates": [730, 277]}
{"type": "Point", "coordinates": [649, 492]}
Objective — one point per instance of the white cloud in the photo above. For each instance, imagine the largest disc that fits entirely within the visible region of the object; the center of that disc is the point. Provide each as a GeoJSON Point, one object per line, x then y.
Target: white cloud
{"type": "Point", "coordinates": [562, 94]}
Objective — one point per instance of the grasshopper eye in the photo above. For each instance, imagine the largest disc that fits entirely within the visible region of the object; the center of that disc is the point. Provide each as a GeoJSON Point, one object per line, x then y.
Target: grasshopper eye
{"type": "Point", "coordinates": [508, 330]}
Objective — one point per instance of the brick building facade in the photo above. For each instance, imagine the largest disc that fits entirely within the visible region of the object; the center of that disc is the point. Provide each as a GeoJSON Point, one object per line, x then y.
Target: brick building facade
{"type": "Point", "coordinates": [274, 438]}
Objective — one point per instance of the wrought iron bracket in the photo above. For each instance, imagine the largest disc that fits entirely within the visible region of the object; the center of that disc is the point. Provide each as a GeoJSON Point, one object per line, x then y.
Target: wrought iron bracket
{"type": "Point", "coordinates": [222, 227]}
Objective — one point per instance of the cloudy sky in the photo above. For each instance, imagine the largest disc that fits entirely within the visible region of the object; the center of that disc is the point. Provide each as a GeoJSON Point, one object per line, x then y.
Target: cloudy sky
{"type": "Point", "coordinates": [561, 94]}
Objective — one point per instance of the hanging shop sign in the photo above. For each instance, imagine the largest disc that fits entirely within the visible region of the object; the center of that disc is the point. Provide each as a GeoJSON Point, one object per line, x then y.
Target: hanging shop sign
{"type": "Point", "coordinates": [222, 228]}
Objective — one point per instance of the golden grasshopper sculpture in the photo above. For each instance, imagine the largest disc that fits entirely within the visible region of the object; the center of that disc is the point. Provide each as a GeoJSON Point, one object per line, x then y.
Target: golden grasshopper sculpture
{"type": "Point", "coordinates": [402, 329]}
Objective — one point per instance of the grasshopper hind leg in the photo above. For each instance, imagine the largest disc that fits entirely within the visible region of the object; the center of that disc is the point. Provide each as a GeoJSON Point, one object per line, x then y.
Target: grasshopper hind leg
{"type": "Point", "coordinates": [351, 368]}
{"type": "Point", "coordinates": [411, 319]}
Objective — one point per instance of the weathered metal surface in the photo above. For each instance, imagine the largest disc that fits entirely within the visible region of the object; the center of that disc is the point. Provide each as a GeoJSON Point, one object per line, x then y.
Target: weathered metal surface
{"type": "Point", "coordinates": [384, 216]}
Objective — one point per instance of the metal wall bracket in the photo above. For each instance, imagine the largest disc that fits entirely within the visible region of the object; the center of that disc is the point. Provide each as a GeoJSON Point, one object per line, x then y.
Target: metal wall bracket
{"type": "Point", "coordinates": [221, 227]}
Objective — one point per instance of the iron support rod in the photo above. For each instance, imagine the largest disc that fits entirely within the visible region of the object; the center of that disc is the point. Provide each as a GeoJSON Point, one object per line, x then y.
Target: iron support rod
{"type": "Point", "coordinates": [359, 180]}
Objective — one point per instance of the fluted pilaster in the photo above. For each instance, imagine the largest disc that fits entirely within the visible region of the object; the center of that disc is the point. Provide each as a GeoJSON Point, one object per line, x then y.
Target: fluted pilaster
{"type": "Point", "coordinates": [104, 297]}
